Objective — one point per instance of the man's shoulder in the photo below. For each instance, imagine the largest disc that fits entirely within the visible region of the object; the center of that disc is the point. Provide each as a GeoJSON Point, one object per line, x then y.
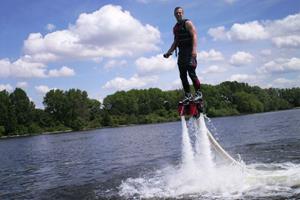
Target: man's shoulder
{"type": "Point", "coordinates": [187, 21]}
{"type": "Point", "coordinates": [182, 22]}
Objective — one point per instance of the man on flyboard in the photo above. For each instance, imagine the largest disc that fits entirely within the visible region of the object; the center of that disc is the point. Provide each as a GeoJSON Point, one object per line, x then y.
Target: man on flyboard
{"type": "Point", "coordinates": [185, 38]}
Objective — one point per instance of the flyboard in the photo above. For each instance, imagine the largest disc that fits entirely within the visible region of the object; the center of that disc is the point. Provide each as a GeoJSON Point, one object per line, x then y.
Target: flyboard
{"type": "Point", "coordinates": [195, 109]}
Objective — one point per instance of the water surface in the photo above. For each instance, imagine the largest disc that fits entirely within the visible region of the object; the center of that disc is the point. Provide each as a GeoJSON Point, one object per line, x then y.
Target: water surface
{"type": "Point", "coordinates": [98, 164]}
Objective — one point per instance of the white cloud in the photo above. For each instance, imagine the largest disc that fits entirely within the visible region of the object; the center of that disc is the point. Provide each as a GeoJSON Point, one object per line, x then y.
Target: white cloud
{"type": "Point", "coordinates": [213, 69]}
{"type": "Point", "coordinates": [6, 87]}
{"type": "Point", "coordinates": [247, 31]}
{"type": "Point", "coordinates": [211, 55]}
{"type": "Point", "coordinates": [41, 58]}
{"type": "Point", "coordinates": [64, 71]}
{"type": "Point", "coordinates": [115, 63]}
{"type": "Point", "coordinates": [42, 89]}
{"type": "Point", "coordinates": [218, 33]}
{"type": "Point", "coordinates": [5, 66]}
{"type": "Point", "coordinates": [287, 41]}
{"type": "Point", "coordinates": [107, 32]}
{"type": "Point", "coordinates": [97, 59]}
{"type": "Point", "coordinates": [266, 52]}
{"type": "Point", "coordinates": [242, 78]}
{"type": "Point", "coordinates": [230, 1]}
{"type": "Point", "coordinates": [22, 84]}
{"type": "Point", "coordinates": [241, 58]}
{"type": "Point", "coordinates": [176, 84]}
{"type": "Point", "coordinates": [280, 65]}
{"type": "Point", "coordinates": [282, 32]}
{"type": "Point", "coordinates": [50, 27]}
{"type": "Point", "coordinates": [21, 68]}
{"type": "Point", "coordinates": [155, 64]}
{"type": "Point", "coordinates": [282, 81]}
{"type": "Point", "coordinates": [143, 1]}
{"type": "Point", "coordinates": [135, 82]}
{"type": "Point", "coordinates": [290, 25]}
{"type": "Point", "coordinates": [285, 83]}
{"type": "Point", "coordinates": [151, 1]}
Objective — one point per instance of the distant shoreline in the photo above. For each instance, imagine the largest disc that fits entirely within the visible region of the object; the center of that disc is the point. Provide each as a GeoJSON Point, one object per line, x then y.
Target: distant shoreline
{"type": "Point", "coordinates": [119, 126]}
{"type": "Point", "coordinates": [28, 135]}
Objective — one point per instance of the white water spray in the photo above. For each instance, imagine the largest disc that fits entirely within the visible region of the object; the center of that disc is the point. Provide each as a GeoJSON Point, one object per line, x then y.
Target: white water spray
{"type": "Point", "coordinates": [203, 152]}
{"type": "Point", "coordinates": [199, 176]}
{"type": "Point", "coordinates": [187, 151]}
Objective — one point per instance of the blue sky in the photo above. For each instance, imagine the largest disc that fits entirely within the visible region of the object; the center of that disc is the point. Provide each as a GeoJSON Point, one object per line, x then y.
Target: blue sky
{"type": "Point", "coordinates": [105, 46]}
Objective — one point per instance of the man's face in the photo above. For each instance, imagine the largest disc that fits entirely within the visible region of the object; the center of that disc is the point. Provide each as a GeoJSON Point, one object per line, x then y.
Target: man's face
{"type": "Point", "coordinates": [178, 14]}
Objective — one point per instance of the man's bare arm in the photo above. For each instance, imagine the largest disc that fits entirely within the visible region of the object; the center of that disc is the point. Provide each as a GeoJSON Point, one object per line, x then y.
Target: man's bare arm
{"type": "Point", "coordinates": [170, 51]}
{"type": "Point", "coordinates": [191, 28]}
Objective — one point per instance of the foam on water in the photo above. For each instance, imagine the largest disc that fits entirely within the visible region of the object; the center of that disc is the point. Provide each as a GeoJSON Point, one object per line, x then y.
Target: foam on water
{"type": "Point", "coordinates": [199, 176]}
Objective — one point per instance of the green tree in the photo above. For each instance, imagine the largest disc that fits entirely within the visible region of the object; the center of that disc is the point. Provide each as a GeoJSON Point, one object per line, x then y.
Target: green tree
{"type": "Point", "coordinates": [77, 112]}
{"type": "Point", "coordinates": [23, 109]}
{"type": "Point", "coordinates": [43, 119]}
{"type": "Point", "coordinates": [94, 107]}
{"type": "Point", "coordinates": [247, 103]}
{"type": "Point", "coordinates": [55, 104]}
{"type": "Point", "coordinates": [5, 106]}
{"type": "Point", "coordinates": [2, 130]}
{"type": "Point", "coordinates": [291, 95]}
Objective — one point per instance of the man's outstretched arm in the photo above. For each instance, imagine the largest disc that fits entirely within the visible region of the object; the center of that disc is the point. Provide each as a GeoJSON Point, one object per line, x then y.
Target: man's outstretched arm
{"type": "Point", "coordinates": [170, 51]}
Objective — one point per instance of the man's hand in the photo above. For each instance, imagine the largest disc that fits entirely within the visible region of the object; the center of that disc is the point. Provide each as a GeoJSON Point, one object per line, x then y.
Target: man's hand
{"type": "Point", "coordinates": [194, 54]}
{"type": "Point", "coordinates": [167, 55]}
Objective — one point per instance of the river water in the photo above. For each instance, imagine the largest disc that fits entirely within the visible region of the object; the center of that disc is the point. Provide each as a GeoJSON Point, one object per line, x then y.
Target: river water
{"type": "Point", "coordinates": [145, 161]}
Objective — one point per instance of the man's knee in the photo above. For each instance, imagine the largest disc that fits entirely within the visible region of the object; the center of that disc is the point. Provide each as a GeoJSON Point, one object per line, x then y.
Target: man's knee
{"type": "Point", "coordinates": [192, 74]}
{"type": "Point", "coordinates": [184, 79]}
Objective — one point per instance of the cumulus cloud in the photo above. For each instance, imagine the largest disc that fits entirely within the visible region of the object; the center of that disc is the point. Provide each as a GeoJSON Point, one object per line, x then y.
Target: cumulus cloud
{"type": "Point", "coordinates": [22, 84]}
{"type": "Point", "coordinates": [287, 41]}
{"type": "Point", "coordinates": [248, 31]}
{"type": "Point", "coordinates": [241, 58]}
{"type": "Point", "coordinates": [282, 81]}
{"type": "Point", "coordinates": [64, 71]}
{"type": "Point", "coordinates": [230, 1]}
{"type": "Point", "coordinates": [151, 1]}
{"type": "Point", "coordinates": [289, 25]}
{"type": "Point", "coordinates": [107, 32]}
{"type": "Point", "coordinates": [211, 55]}
{"type": "Point", "coordinates": [218, 33]}
{"type": "Point", "coordinates": [242, 78]}
{"type": "Point", "coordinates": [115, 63]}
{"type": "Point", "coordinates": [214, 69]}
{"type": "Point", "coordinates": [6, 87]}
{"type": "Point", "coordinates": [280, 65]}
{"type": "Point", "coordinates": [282, 32]}
{"type": "Point", "coordinates": [285, 83]}
{"type": "Point", "coordinates": [42, 89]}
{"type": "Point", "coordinates": [155, 64]}
{"type": "Point", "coordinates": [176, 84]}
{"type": "Point", "coordinates": [50, 27]}
{"type": "Point", "coordinates": [266, 52]}
{"type": "Point", "coordinates": [135, 82]}
{"type": "Point", "coordinates": [22, 68]}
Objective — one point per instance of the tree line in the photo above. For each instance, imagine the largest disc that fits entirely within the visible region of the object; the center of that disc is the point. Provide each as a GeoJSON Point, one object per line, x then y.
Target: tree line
{"type": "Point", "coordinates": [74, 110]}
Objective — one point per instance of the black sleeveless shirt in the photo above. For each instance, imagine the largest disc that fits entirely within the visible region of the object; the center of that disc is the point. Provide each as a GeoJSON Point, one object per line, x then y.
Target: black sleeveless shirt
{"type": "Point", "coordinates": [182, 36]}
